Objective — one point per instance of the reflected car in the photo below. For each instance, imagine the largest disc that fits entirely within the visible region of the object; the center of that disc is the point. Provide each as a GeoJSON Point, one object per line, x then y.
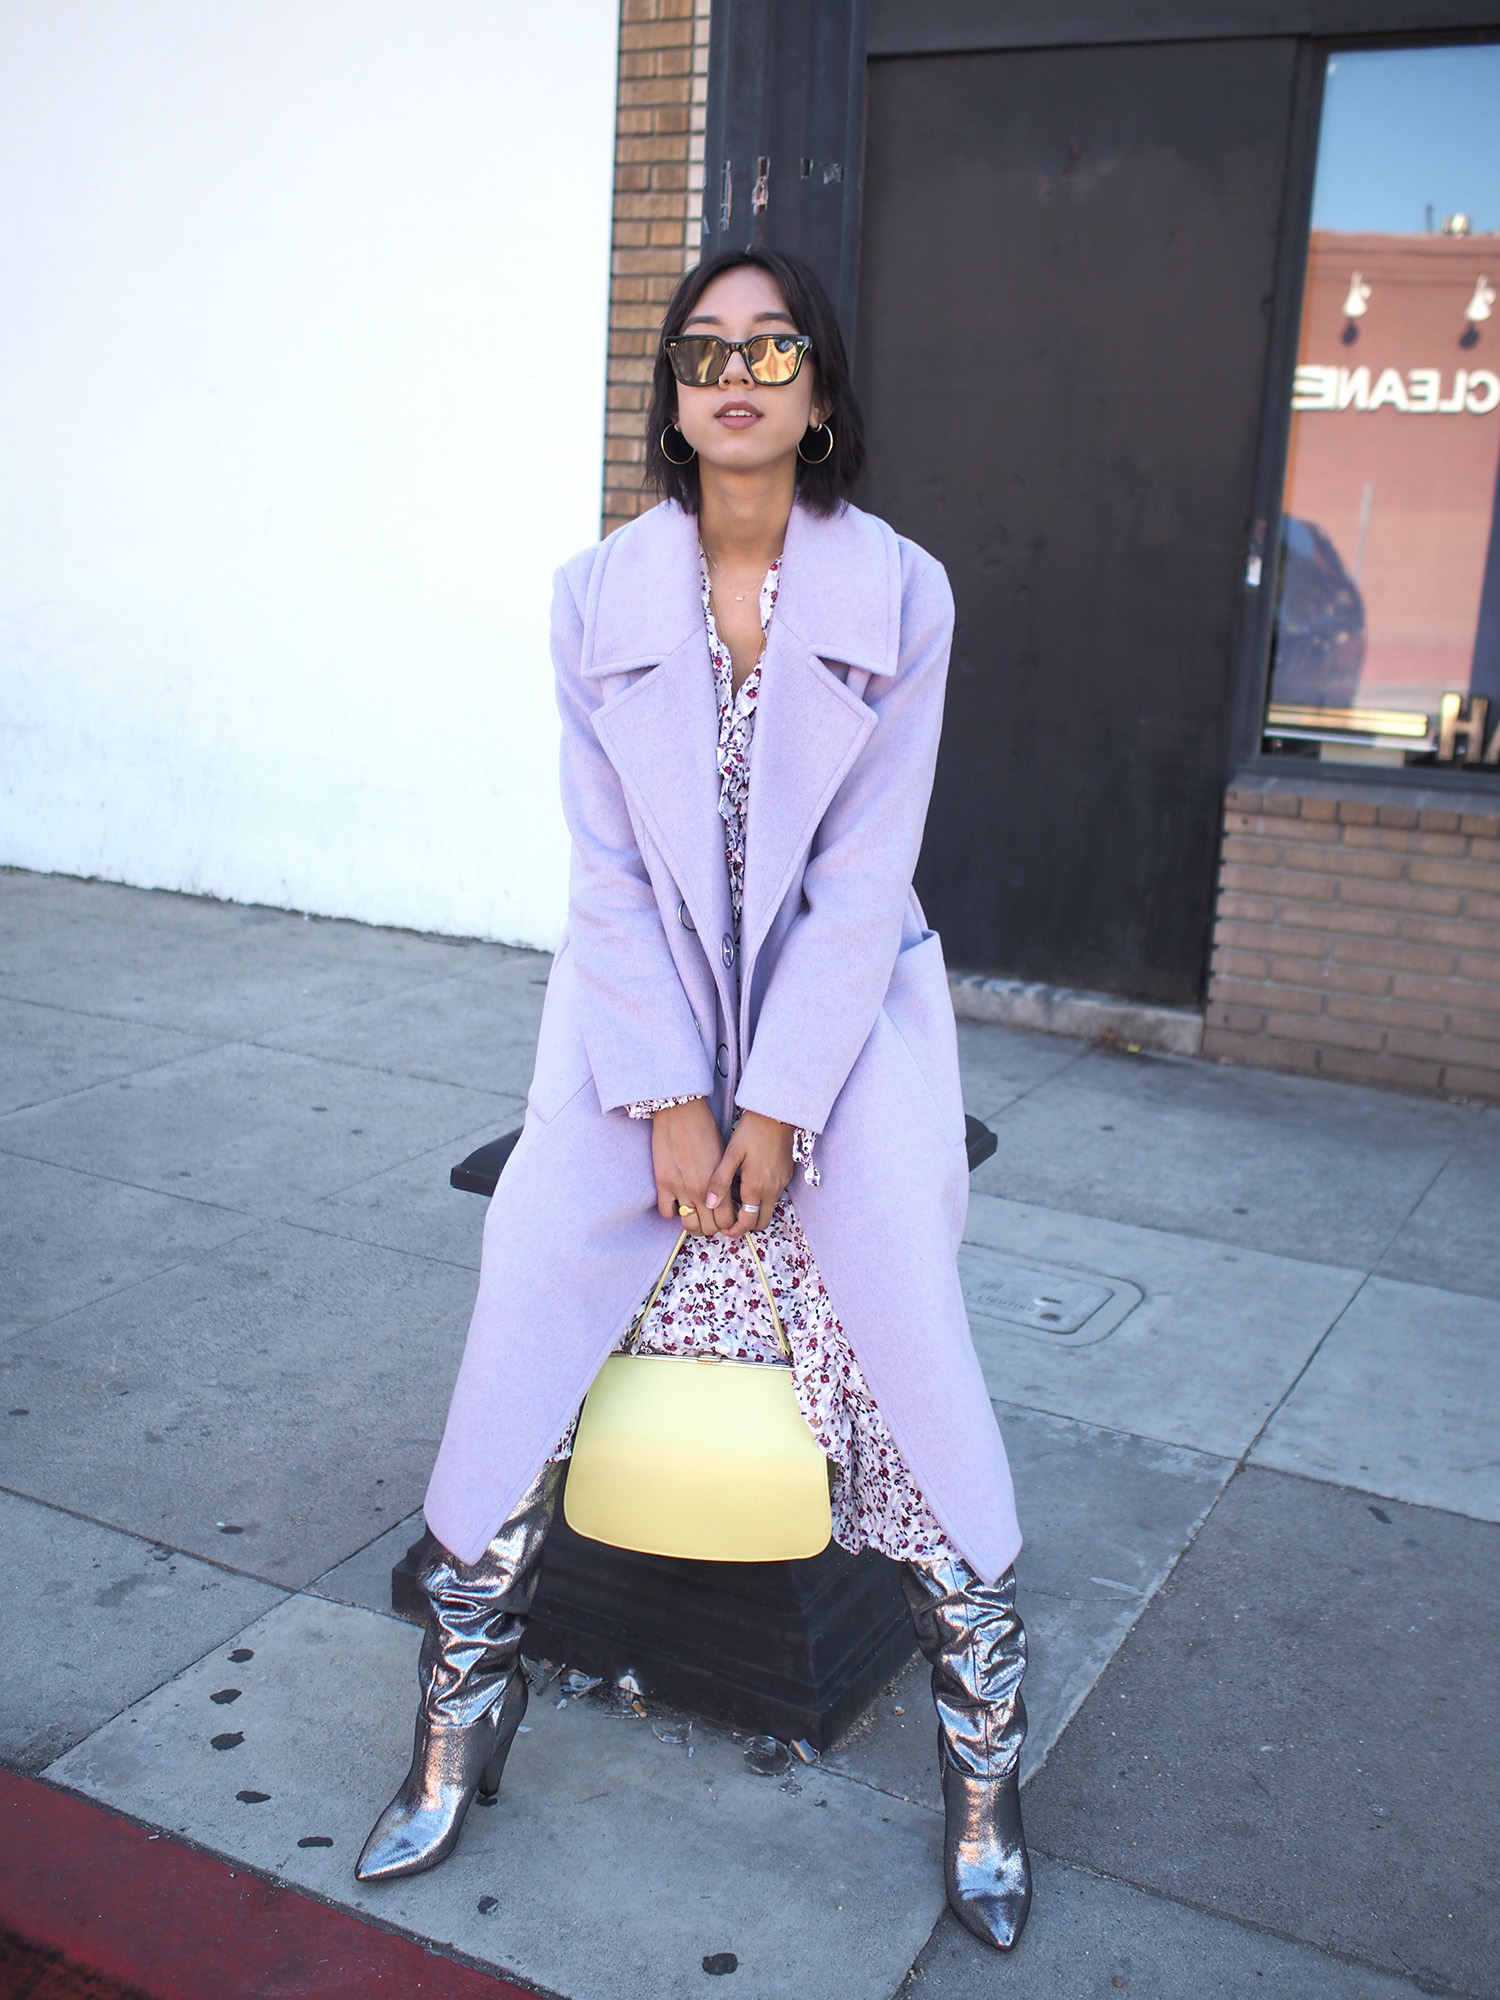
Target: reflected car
{"type": "Point", "coordinates": [1320, 622]}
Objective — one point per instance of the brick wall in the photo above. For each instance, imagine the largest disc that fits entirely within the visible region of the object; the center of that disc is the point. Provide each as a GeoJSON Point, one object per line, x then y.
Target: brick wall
{"type": "Point", "coordinates": [663, 91]}
{"type": "Point", "coordinates": [1358, 935]}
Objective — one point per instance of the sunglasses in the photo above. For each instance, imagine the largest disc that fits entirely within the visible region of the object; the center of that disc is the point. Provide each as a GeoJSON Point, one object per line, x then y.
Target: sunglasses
{"type": "Point", "coordinates": [699, 359]}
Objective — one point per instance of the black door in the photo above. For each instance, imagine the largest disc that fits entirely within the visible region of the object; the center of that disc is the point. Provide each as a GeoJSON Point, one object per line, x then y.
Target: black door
{"type": "Point", "coordinates": [1065, 301]}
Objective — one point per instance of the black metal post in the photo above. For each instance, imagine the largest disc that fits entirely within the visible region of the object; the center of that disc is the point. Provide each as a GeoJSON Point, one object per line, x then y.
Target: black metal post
{"type": "Point", "coordinates": [784, 146]}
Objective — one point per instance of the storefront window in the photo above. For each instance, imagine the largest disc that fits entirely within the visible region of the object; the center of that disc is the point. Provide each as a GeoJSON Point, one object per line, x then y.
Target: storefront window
{"type": "Point", "coordinates": [1387, 624]}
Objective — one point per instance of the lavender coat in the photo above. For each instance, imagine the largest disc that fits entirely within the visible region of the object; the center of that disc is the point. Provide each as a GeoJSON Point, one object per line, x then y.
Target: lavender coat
{"type": "Point", "coordinates": [840, 1021]}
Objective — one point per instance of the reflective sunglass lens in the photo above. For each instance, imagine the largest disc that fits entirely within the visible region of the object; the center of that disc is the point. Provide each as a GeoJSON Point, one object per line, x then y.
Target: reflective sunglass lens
{"type": "Point", "coordinates": [773, 358]}
{"type": "Point", "coordinates": [708, 360]}
{"type": "Point", "coordinates": [699, 359]}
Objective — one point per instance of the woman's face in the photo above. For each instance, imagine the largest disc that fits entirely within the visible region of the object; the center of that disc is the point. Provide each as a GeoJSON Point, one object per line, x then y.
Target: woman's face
{"type": "Point", "coordinates": [737, 425]}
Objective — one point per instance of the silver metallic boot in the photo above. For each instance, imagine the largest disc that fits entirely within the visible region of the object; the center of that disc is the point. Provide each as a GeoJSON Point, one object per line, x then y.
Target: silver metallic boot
{"type": "Point", "coordinates": [473, 1689]}
{"type": "Point", "coordinates": [970, 1633]}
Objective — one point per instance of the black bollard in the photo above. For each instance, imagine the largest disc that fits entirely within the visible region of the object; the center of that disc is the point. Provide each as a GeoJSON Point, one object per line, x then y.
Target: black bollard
{"type": "Point", "coordinates": [788, 1649]}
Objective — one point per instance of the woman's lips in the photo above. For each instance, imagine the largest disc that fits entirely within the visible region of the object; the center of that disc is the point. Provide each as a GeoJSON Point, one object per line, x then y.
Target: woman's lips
{"type": "Point", "coordinates": [736, 416]}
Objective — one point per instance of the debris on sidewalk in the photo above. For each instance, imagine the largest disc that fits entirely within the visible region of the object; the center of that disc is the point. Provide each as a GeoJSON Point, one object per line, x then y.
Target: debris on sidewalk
{"type": "Point", "coordinates": [767, 1756]}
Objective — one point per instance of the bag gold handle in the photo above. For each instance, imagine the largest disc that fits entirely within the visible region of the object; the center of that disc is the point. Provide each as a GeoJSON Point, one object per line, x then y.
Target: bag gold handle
{"type": "Point", "coordinates": [765, 1284]}
{"type": "Point", "coordinates": [760, 1270]}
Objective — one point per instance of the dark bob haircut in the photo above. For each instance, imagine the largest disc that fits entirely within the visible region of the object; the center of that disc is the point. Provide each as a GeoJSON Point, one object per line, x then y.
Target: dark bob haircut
{"type": "Point", "coordinates": [825, 487]}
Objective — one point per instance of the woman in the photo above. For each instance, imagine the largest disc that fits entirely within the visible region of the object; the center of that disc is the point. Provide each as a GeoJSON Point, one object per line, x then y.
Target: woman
{"type": "Point", "coordinates": [751, 685]}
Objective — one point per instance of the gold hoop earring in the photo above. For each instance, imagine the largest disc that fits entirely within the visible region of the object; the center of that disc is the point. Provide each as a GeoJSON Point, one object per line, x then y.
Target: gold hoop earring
{"type": "Point", "coordinates": [823, 456]}
{"type": "Point", "coordinates": [662, 446]}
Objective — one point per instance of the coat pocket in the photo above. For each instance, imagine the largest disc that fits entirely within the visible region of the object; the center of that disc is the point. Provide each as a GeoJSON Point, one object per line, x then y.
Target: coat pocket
{"type": "Point", "coordinates": [562, 1061]}
{"type": "Point", "coordinates": [919, 1007]}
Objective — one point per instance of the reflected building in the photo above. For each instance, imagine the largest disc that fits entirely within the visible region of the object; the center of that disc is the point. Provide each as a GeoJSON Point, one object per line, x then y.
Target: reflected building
{"type": "Point", "coordinates": [1390, 496]}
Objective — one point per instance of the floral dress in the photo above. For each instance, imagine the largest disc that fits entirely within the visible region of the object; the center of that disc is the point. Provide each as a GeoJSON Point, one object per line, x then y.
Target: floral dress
{"type": "Point", "coordinates": [712, 1302]}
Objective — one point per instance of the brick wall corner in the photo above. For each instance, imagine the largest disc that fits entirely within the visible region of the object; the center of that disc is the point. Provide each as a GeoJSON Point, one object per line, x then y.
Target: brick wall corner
{"type": "Point", "coordinates": [661, 100]}
{"type": "Point", "coordinates": [1357, 935]}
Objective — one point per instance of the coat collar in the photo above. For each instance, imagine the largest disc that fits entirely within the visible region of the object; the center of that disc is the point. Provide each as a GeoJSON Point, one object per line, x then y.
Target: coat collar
{"type": "Point", "coordinates": [839, 602]}
{"type": "Point", "coordinates": [840, 591]}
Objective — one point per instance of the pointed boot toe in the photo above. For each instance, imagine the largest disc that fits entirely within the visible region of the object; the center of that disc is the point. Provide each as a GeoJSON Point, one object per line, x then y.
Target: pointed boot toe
{"type": "Point", "coordinates": [404, 1843]}
{"type": "Point", "coordinates": [421, 1825]}
{"type": "Point", "coordinates": [984, 1854]}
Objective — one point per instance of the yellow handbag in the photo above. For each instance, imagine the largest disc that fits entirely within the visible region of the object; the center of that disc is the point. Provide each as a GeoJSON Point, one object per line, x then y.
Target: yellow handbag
{"type": "Point", "coordinates": [691, 1455]}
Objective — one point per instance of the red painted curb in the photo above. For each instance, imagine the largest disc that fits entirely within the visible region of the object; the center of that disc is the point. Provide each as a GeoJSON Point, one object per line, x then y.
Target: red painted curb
{"type": "Point", "coordinates": [29, 1973]}
{"type": "Point", "coordinates": [120, 1904]}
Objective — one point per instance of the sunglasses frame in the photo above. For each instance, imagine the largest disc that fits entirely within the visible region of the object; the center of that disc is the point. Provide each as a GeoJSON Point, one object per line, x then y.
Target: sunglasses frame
{"type": "Point", "coordinates": [733, 347]}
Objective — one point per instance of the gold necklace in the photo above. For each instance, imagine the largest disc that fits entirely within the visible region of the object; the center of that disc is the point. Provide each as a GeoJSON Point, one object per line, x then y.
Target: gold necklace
{"type": "Point", "coordinates": [739, 596]}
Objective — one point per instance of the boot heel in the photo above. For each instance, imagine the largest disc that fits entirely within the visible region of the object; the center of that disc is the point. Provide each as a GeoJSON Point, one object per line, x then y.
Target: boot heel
{"type": "Point", "coordinates": [512, 1711]}
{"type": "Point", "coordinates": [494, 1771]}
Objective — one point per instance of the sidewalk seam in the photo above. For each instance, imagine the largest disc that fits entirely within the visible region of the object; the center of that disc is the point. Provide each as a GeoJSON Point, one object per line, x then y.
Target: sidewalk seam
{"type": "Point", "coordinates": [1183, 1235]}
{"type": "Point", "coordinates": [1416, 1204]}
{"type": "Point", "coordinates": [381, 1069]}
{"type": "Point", "coordinates": [141, 1021]}
{"type": "Point", "coordinates": [147, 1277]}
{"type": "Point", "coordinates": [1317, 1349]}
{"type": "Point", "coordinates": [156, 1542]}
{"type": "Point", "coordinates": [1051, 1076]}
{"type": "Point", "coordinates": [115, 1076]}
{"type": "Point", "coordinates": [368, 1243]}
{"type": "Point", "coordinates": [1264, 1929]}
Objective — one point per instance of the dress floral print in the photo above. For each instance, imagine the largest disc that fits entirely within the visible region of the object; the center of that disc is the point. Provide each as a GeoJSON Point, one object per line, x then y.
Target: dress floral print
{"type": "Point", "coordinates": [712, 1301]}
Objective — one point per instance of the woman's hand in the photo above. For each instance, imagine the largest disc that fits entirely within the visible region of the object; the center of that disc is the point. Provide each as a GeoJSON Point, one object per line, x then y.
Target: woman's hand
{"type": "Point", "coordinates": [686, 1146]}
{"type": "Point", "coordinates": [760, 1152]}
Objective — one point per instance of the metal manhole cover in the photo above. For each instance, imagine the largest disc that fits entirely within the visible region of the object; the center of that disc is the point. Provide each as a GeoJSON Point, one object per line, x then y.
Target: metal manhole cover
{"type": "Point", "coordinates": [1061, 1306]}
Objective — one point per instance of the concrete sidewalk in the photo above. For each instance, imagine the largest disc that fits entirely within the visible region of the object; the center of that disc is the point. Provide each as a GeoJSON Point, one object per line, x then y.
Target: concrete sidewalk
{"type": "Point", "coordinates": [1260, 1486]}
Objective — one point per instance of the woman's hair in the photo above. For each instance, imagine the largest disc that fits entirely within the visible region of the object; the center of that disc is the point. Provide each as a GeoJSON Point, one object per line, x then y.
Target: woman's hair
{"type": "Point", "coordinates": [823, 487]}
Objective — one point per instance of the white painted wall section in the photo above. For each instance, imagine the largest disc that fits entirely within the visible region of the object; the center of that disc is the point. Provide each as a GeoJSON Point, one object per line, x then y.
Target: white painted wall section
{"type": "Point", "coordinates": [303, 313]}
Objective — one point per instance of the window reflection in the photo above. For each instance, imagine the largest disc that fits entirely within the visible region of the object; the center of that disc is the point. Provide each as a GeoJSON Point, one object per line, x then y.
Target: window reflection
{"type": "Point", "coordinates": [1387, 631]}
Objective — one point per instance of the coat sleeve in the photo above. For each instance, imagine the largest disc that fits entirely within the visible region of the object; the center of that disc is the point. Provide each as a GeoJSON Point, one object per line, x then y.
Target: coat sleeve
{"type": "Point", "coordinates": [638, 1027]}
{"type": "Point", "coordinates": [833, 969]}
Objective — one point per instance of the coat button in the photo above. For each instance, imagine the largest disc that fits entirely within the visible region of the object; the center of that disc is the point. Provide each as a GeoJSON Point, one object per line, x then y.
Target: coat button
{"type": "Point", "coordinates": [721, 1060]}
{"type": "Point", "coordinates": [684, 919]}
{"type": "Point", "coordinates": [726, 950]}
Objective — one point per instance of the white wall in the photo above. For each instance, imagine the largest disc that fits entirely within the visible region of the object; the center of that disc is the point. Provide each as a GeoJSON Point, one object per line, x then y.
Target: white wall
{"type": "Point", "coordinates": [302, 348]}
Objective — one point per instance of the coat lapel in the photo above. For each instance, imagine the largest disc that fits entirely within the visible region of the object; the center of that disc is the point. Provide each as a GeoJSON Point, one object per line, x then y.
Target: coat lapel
{"type": "Point", "coordinates": [661, 735]}
{"type": "Point", "coordinates": [839, 607]}
{"type": "Point", "coordinates": [661, 730]}
{"type": "Point", "coordinates": [808, 731]}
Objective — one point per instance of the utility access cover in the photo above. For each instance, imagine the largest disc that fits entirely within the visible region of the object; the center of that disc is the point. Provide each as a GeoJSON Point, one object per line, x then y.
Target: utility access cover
{"type": "Point", "coordinates": [1070, 1308]}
